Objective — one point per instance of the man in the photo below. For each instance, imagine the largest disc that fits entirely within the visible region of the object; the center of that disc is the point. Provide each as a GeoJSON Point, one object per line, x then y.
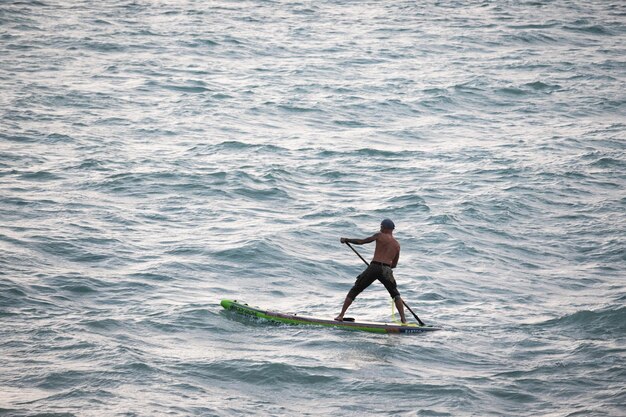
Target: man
{"type": "Point", "coordinates": [385, 258]}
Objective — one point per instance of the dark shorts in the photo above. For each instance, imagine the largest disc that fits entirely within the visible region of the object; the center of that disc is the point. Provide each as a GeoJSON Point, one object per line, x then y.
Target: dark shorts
{"type": "Point", "coordinates": [375, 272]}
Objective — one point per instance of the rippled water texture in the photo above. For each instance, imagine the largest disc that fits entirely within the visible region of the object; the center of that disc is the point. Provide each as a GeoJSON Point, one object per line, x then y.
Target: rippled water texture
{"type": "Point", "coordinates": [158, 156]}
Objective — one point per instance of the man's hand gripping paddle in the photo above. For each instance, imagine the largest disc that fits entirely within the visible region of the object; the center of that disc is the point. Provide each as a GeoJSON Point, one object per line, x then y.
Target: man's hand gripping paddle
{"type": "Point", "coordinates": [403, 302]}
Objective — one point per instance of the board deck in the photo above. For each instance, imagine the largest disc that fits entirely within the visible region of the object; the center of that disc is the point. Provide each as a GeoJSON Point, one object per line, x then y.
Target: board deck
{"type": "Point", "coordinates": [245, 309]}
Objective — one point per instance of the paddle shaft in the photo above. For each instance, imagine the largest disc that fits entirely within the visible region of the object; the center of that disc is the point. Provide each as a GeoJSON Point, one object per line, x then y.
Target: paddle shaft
{"type": "Point", "coordinates": [403, 302]}
{"type": "Point", "coordinates": [358, 254]}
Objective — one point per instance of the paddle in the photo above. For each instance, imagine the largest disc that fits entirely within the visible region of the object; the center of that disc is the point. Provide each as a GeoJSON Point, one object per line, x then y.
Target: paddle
{"type": "Point", "coordinates": [403, 302]}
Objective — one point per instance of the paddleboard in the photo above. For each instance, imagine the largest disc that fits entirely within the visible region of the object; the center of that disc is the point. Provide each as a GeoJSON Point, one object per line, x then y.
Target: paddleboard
{"type": "Point", "coordinates": [294, 319]}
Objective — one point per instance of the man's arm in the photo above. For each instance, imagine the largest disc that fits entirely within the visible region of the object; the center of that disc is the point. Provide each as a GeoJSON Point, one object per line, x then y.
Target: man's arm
{"type": "Point", "coordinates": [395, 260]}
{"type": "Point", "coordinates": [360, 241]}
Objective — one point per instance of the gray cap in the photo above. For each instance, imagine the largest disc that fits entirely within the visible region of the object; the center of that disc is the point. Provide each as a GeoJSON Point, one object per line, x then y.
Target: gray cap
{"type": "Point", "coordinates": [388, 224]}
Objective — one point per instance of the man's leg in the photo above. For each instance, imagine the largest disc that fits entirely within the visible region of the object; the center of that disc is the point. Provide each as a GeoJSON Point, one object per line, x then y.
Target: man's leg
{"type": "Point", "coordinates": [346, 304]}
{"type": "Point", "coordinates": [400, 307]}
{"type": "Point", "coordinates": [389, 282]}
{"type": "Point", "coordinates": [362, 282]}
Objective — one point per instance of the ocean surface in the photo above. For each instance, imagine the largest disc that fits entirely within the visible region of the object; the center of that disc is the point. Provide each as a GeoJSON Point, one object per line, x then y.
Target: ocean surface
{"type": "Point", "coordinates": [159, 156]}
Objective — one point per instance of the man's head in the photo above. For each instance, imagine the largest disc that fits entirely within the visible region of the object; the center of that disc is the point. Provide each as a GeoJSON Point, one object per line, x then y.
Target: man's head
{"type": "Point", "coordinates": [387, 224]}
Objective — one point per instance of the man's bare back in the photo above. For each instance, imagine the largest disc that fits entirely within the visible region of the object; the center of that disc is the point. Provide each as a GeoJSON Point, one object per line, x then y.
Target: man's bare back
{"type": "Point", "coordinates": [387, 249]}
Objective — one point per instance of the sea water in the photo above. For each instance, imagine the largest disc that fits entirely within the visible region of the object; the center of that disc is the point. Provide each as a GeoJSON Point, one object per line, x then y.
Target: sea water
{"type": "Point", "coordinates": [158, 156]}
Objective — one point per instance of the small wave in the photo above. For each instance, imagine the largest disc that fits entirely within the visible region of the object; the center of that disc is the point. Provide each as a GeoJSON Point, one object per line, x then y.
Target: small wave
{"type": "Point", "coordinates": [584, 27]}
{"type": "Point", "coordinates": [306, 11]}
{"type": "Point", "coordinates": [439, 102]}
{"type": "Point", "coordinates": [58, 137]}
{"type": "Point", "coordinates": [258, 372]}
{"type": "Point", "coordinates": [102, 22]}
{"type": "Point", "coordinates": [102, 324]}
{"type": "Point", "coordinates": [608, 162]}
{"type": "Point", "coordinates": [105, 47]}
{"type": "Point", "coordinates": [40, 176]}
{"type": "Point", "coordinates": [187, 250]}
{"type": "Point", "coordinates": [221, 96]}
{"type": "Point", "coordinates": [74, 283]}
{"type": "Point", "coordinates": [350, 123]}
{"type": "Point", "coordinates": [260, 194]}
{"type": "Point", "coordinates": [379, 153]}
{"type": "Point", "coordinates": [431, 296]}
{"type": "Point", "coordinates": [442, 219]}
{"type": "Point", "coordinates": [323, 214]}
{"type": "Point", "coordinates": [151, 276]}
{"type": "Point", "coordinates": [511, 91]}
{"type": "Point", "coordinates": [11, 295]}
{"type": "Point", "coordinates": [185, 88]}
{"type": "Point", "coordinates": [183, 320]}
{"type": "Point", "coordinates": [607, 322]}
{"type": "Point", "coordinates": [78, 250]}
{"type": "Point", "coordinates": [113, 121]}
{"type": "Point", "coordinates": [253, 250]}
{"type": "Point", "coordinates": [298, 109]}
{"type": "Point", "coordinates": [513, 394]}
{"type": "Point", "coordinates": [135, 368]}
{"type": "Point", "coordinates": [541, 86]}
{"type": "Point", "coordinates": [90, 165]}
{"type": "Point", "coordinates": [235, 145]}
{"type": "Point", "coordinates": [144, 183]}
{"type": "Point", "coordinates": [407, 202]}
{"type": "Point", "coordinates": [530, 38]}
{"type": "Point", "coordinates": [78, 289]}
{"type": "Point", "coordinates": [233, 40]}
{"type": "Point", "coordinates": [30, 3]}
{"type": "Point", "coordinates": [200, 43]}
{"type": "Point", "coordinates": [18, 138]}
{"type": "Point", "coordinates": [546, 25]}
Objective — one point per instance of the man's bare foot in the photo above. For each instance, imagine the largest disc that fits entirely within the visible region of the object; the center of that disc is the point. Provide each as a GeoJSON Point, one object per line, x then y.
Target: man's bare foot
{"type": "Point", "coordinates": [339, 318]}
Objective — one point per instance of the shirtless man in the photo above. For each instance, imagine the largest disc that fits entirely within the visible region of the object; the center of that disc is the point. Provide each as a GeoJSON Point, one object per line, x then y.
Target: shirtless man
{"type": "Point", "coordinates": [385, 258]}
